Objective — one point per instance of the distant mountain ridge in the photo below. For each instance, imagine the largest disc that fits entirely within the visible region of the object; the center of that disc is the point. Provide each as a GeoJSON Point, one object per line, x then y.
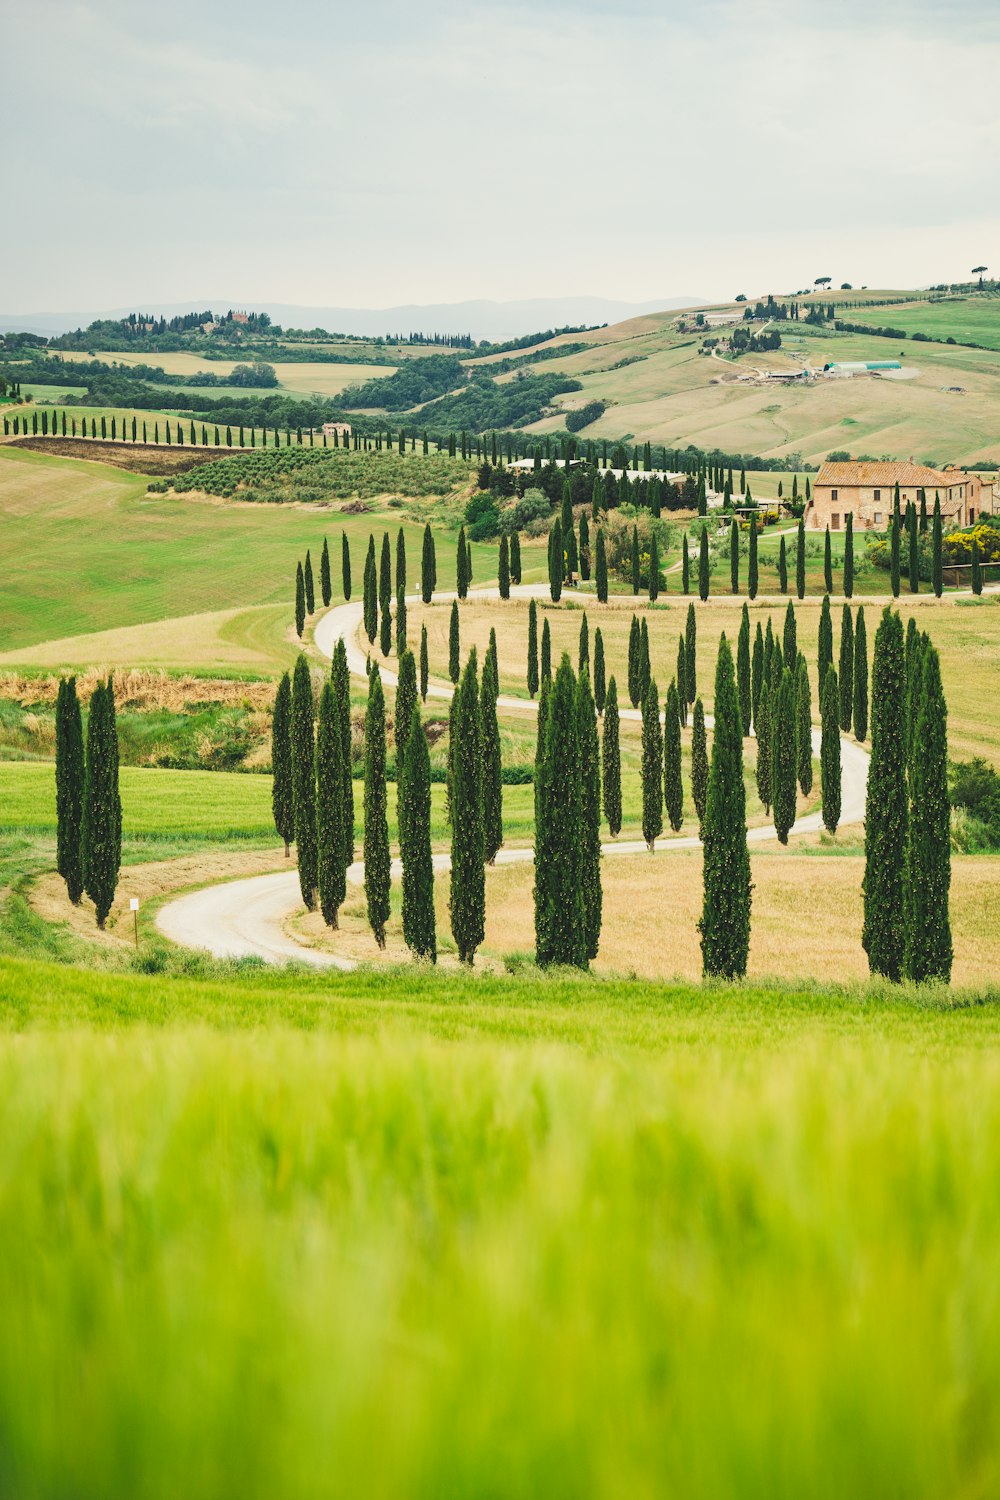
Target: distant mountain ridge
{"type": "Point", "coordinates": [483, 318]}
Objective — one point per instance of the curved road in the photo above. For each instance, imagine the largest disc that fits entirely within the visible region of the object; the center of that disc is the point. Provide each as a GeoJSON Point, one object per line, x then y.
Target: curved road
{"type": "Point", "coordinates": [244, 918]}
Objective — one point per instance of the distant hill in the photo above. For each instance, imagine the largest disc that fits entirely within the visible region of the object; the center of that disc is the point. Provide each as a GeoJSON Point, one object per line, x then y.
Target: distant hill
{"type": "Point", "coordinates": [483, 319]}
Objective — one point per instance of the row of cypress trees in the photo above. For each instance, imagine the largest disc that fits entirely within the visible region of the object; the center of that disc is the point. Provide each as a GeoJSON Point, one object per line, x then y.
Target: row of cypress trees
{"type": "Point", "coordinates": [88, 801]}
{"type": "Point", "coordinates": [305, 587]}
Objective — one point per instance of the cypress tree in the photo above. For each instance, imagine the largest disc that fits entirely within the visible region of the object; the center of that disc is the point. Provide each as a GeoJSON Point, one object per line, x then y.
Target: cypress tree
{"type": "Point", "coordinates": [685, 567]}
{"type": "Point", "coordinates": [825, 638]}
{"type": "Point", "coordinates": [884, 927]}
{"type": "Point", "coordinates": [584, 655]}
{"type": "Point", "coordinates": [600, 689]}
{"type": "Point", "coordinates": [743, 674]}
{"type": "Point", "coordinates": [703, 570]}
{"type": "Point", "coordinates": [691, 650]}
{"type": "Point", "coordinates": [894, 558]}
{"type": "Point", "coordinates": [424, 664]}
{"type": "Point", "coordinates": [928, 949]}
{"type": "Point", "coordinates": [341, 678]}
{"type": "Point", "coordinates": [503, 568]}
{"type": "Point", "coordinates": [492, 780]}
{"type": "Point", "coordinates": [846, 670]}
{"type": "Point", "coordinates": [100, 836]}
{"type": "Point", "coordinates": [734, 556]}
{"type": "Point", "coordinates": [725, 920]}
{"type": "Point", "coordinates": [763, 727]}
{"type": "Point", "coordinates": [468, 885]}
{"type": "Point", "coordinates": [913, 558]}
{"type": "Point", "coordinates": [282, 793]}
{"type": "Point", "coordinates": [800, 560]}
{"type": "Point", "coordinates": [532, 649]}
{"type": "Point", "coordinates": [636, 570]}
{"type": "Point", "coordinates": [376, 839]}
{"type": "Point", "coordinates": [590, 814]}
{"type": "Point", "coordinates": [673, 786]}
{"type": "Point", "coordinates": [462, 569]}
{"type": "Point", "coordinates": [428, 566]}
{"type": "Point", "coordinates": [309, 585]}
{"type": "Point", "coordinates": [304, 780]}
{"type": "Point", "coordinates": [454, 647]}
{"type": "Point", "coordinates": [977, 571]}
{"type": "Point", "coordinates": [325, 585]}
{"type": "Point", "coordinates": [784, 757]}
{"type": "Point", "coordinates": [584, 548]}
{"type": "Point", "coordinates": [803, 726]}
{"type": "Point", "coordinates": [937, 571]}
{"type": "Point", "coordinates": [401, 622]}
{"type": "Point", "coordinates": [652, 767]}
{"type": "Point", "coordinates": [789, 640]}
{"type": "Point", "coordinates": [633, 662]}
{"type": "Point", "coordinates": [860, 677]}
{"type": "Point", "coordinates": [515, 557]}
{"type": "Point", "coordinates": [681, 683]}
{"type": "Point", "coordinates": [849, 557]}
{"type": "Point", "coordinates": [385, 596]}
{"type": "Point", "coordinates": [300, 600]}
{"type": "Point", "coordinates": [345, 564]}
{"type": "Point", "coordinates": [371, 593]}
{"type": "Point", "coordinates": [400, 562]}
{"type": "Point", "coordinates": [654, 570]}
{"type": "Point", "coordinates": [560, 912]}
{"type": "Point", "coordinates": [601, 572]}
{"type": "Point", "coordinates": [756, 671]}
{"type": "Point", "coordinates": [556, 562]}
{"type": "Point", "coordinates": [546, 652]}
{"type": "Point", "coordinates": [768, 655]}
{"type": "Point", "coordinates": [752, 569]}
{"type": "Point", "coordinates": [782, 566]}
{"type": "Point", "coordinates": [70, 780]}
{"type": "Point", "coordinates": [611, 762]}
{"type": "Point", "coordinates": [331, 856]}
{"type": "Point", "coordinates": [569, 543]}
{"type": "Point", "coordinates": [830, 751]}
{"type": "Point", "coordinates": [828, 563]}
{"type": "Point", "coordinates": [644, 667]}
{"type": "Point", "coordinates": [913, 658]}
{"type": "Point", "coordinates": [699, 765]}
{"type": "Point", "coordinates": [419, 931]}
{"type": "Point", "coordinates": [406, 697]}
{"type": "Point", "coordinates": [923, 512]}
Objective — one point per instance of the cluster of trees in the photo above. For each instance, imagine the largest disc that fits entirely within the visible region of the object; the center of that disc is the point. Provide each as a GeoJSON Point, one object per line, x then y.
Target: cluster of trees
{"type": "Point", "coordinates": [415, 382]}
{"type": "Point", "coordinates": [88, 802]}
{"type": "Point", "coordinates": [744, 342]}
{"type": "Point", "coordinates": [924, 560]}
{"type": "Point", "coordinates": [305, 587]}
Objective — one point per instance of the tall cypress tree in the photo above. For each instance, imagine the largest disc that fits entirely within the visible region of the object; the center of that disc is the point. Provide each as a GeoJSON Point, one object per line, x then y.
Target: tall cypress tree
{"type": "Point", "coordinates": [325, 582]}
{"type": "Point", "coordinates": [70, 780]}
{"type": "Point", "coordinates": [611, 763]}
{"type": "Point", "coordinates": [654, 570]}
{"type": "Point", "coordinates": [756, 672]}
{"type": "Point", "coordinates": [304, 780]}
{"type": "Point", "coordinates": [462, 574]}
{"type": "Point", "coordinates": [560, 912]}
{"type": "Point", "coordinates": [937, 570]}
{"type": "Point", "coordinates": [601, 571]}
{"type": "Point", "coordinates": [371, 593]}
{"type": "Point", "coordinates": [376, 839]}
{"type": "Point", "coordinates": [546, 652]}
{"type": "Point", "coordinates": [385, 584]}
{"type": "Point", "coordinates": [454, 644]}
{"type": "Point", "coordinates": [556, 561]}
{"type": "Point", "coordinates": [913, 556]}
{"type": "Point", "coordinates": [331, 855]}
{"type": "Point", "coordinates": [782, 566]}
{"type": "Point", "coordinates": [282, 793]}
{"type": "Point", "coordinates": [633, 662]}
{"type": "Point", "coordinates": [468, 886]}
{"type": "Point", "coordinates": [849, 557]}
{"type": "Point", "coordinates": [703, 568]}
{"type": "Point", "coordinates": [800, 559]}
{"type": "Point", "coordinates": [763, 728]}
{"type": "Point", "coordinates": [894, 558]}
{"type": "Point", "coordinates": [752, 568]}
{"type": "Point", "coordinates": [652, 767]}
{"type": "Point", "coordinates": [846, 670]}
{"type": "Point", "coordinates": [803, 725]}
{"type": "Point", "coordinates": [307, 573]}
{"type": "Point", "coordinates": [644, 661]}
{"type": "Point", "coordinates": [424, 664]}
{"type": "Point", "coordinates": [600, 688]}
{"type": "Point", "coordinates": [636, 569]}
{"type": "Point", "coordinates": [913, 659]}
{"type": "Point", "coordinates": [681, 681]}
{"type": "Point", "coordinates": [515, 557]}
{"type": "Point", "coordinates": [503, 568]}
{"type": "Point", "coordinates": [699, 765]}
{"type": "Point", "coordinates": [734, 556]}
{"type": "Point", "coordinates": [768, 655]}
{"type": "Point", "coordinates": [584, 652]}
{"type": "Point", "coordinates": [977, 570]}
{"type": "Point", "coordinates": [789, 640]}
{"type": "Point", "coordinates": [492, 780]}
{"type": "Point", "coordinates": [406, 697]}
{"type": "Point", "coordinates": [725, 920]}
{"type": "Point", "coordinates": [784, 756]}
{"type": "Point", "coordinates": [590, 814]}
{"type": "Point", "coordinates": [691, 654]}
{"type": "Point", "coordinates": [673, 786]}
{"type": "Point", "coordinates": [685, 566]}
{"type": "Point", "coordinates": [884, 928]}
{"type": "Point", "coordinates": [825, 638]}
{"type": "Point", "coordinates": [300, 600]}
{"type": "Point", "coordinates": [419, 932]}
{"type": "Point", "coordinates": [927, 952]}
{"type": "Point", "coordinates": [743, 682]}
{"type": "Point", "coordinates": [532, 649]}
{"type": "Point", "coordinates": [830, 751]}
{"type": "Point", "coordinates": [341, 679]}
{"type": "Point", "coordinates": [101, 812]}
{"type": "Point", "coordinates": [860, 677]}
{"type": "Point", "coordinates": [428, 566]}
{"type": "Point", "coordinates": [400, 562]}
{"type": "Point", "coordinates": [828, 563]}
{"type": "Point", "coordinates": [345, 564]}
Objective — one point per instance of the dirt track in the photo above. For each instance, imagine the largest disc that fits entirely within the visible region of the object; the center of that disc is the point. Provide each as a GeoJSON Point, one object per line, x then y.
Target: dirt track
{"type": "Point", "coordinates": [139, 458]}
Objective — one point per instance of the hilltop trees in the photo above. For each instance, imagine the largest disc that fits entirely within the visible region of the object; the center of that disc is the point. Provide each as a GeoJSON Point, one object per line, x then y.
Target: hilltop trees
{"type": "Point", "coordinates": [70, 781]}
{"type": "Point", "coordinates": [468, 888]}
{"type": "Point", "coordinates": [304, 780]}
{"type": "Point", "coordinates": [725, 920]}
{"type": "Point", "coordinates": [376, 840]}
{"type": "Point", "coordinates": [282, 793]}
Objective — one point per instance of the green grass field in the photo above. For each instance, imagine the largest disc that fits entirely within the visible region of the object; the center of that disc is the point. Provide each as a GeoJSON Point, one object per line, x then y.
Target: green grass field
{"type": "Point", "coordinates": [577, 1238]}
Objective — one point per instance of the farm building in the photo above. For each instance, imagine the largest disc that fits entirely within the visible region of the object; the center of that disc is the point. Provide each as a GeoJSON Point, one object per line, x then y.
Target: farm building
{"type": "Point", "coordinates": [866, 491]}
{"type": "Point", "coordinates": [337, 429]}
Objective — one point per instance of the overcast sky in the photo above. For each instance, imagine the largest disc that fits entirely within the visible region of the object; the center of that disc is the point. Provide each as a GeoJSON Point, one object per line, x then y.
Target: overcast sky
{"type": "Point", "coordinates": [388, 152]}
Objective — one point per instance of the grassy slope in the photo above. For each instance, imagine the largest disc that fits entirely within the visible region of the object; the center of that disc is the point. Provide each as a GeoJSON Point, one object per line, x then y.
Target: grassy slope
{"type": "Point", "coordinates": [575, 1238]}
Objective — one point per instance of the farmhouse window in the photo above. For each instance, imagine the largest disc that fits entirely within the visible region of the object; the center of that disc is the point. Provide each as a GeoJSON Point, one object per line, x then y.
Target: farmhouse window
{"type": "Point", "coordinates": [878, 495]}
{"type": "Point", "coordinates": [878, 518]}
{"type": "Point", "coordinates": [833, 494]}
{"type": "Point", "coordinates": [835, 521]}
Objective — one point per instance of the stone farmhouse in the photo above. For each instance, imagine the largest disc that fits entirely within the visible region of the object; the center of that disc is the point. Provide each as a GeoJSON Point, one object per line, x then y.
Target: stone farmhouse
{"type": "Point", "coordinates": [866, 490]}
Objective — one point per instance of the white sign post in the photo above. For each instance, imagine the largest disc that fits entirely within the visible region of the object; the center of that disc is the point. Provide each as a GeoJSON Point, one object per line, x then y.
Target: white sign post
{"type": "Point", "coordinates": [133, 907]}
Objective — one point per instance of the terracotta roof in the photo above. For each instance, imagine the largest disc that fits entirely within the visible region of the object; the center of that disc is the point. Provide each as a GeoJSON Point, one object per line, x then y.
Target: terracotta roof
{"type": "Point", "coordinates": [886, 475]}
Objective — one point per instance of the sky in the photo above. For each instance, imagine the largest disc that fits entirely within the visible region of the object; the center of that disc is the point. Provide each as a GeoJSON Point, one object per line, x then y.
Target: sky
{"type": "Point", "coordinates": [389, 152]}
